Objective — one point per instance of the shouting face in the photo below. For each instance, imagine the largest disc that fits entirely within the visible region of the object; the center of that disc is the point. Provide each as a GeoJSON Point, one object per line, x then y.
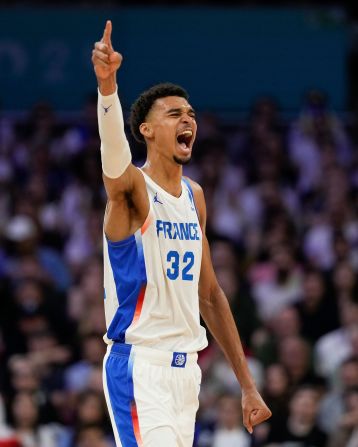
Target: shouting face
{"type": "Point", "coordinates": [170, 127]}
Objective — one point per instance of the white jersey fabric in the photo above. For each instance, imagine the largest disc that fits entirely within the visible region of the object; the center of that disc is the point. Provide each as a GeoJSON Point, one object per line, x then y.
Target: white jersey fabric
{"type": "Point", "coordinates": [152, 398]}
{"type": "Point", "coordinates": [151, 278]}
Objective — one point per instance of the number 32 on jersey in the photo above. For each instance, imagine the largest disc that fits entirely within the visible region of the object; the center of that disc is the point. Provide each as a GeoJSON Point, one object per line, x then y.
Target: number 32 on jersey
{"type": "Point", "coordinates": [180, 268]}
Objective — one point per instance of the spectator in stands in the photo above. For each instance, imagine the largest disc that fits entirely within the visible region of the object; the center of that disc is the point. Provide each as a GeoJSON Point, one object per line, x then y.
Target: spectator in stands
{"type": "Point", "coordinates": [295, 356]}
{"type": "Point", "coordinates": [345, 282]}
{"type": "Point", "coordinates": [277, 391]}
{"type": "Point", "coordinates": [292, 214]}
{"type": "Point", "coordinates": [229, 431]}
{"type": "Point", "coordinates": [333, 403]}
{"type": "Point", "coordinates": [278, 283]}
{"type": "Point", "coordinates": [266, 340]}
{"type": "Point", "coordinates": [91, 355]}
{"type": "Point", "coordinates": [347, 434]}
{"type": "Point", "coordinates": [339, 341]}
{"type": "Point", "coordinates": [26, 425]}
{"type": "Point", "coordinates": [242, 304]}
{"type": "Point", "coordinates": [301, 425]}
{"type": "Point", "coordinates": [22, 232]}
{"type": "Point", "coordinates": [90, 411]}
{"type": "Point", "coordinates": [92, 436]}
{"type": "Point", "coordinates": [317, 310]}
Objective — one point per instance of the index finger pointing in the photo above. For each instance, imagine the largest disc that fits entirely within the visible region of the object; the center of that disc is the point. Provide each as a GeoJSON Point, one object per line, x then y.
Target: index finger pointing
{"type": "Point", "coordinates": [107, 33]}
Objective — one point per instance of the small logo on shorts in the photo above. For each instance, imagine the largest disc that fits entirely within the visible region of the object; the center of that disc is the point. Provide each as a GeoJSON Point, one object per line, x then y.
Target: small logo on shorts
{"type": "Point", "coordinates": [179, 359]}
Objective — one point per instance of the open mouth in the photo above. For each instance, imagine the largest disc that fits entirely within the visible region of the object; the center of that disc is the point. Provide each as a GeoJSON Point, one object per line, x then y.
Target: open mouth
{"type": "Point", "coordinates": [184, 139]}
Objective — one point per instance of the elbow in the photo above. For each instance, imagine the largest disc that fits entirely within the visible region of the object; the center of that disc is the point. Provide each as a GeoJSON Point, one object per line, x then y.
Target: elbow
{"type": "Point", "coordinates": [208, 297]}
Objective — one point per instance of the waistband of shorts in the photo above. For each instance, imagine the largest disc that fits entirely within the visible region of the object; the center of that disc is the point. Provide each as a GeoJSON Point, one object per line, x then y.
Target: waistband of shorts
{"type": "Point", "coordinates": [155, 356]}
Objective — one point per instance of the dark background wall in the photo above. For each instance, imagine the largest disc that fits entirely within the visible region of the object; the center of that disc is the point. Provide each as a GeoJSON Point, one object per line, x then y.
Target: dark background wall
{"type": "Point", "coordinates": [226, 57]}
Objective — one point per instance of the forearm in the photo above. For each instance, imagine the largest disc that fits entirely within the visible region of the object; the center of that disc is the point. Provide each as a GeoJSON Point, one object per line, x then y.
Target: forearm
{"type": "Point", "coordinates": [115, 151]}
{"type": "Point", "coordinates": [217, 315]}
{"type": "Point", "coordinates": [107, 86]}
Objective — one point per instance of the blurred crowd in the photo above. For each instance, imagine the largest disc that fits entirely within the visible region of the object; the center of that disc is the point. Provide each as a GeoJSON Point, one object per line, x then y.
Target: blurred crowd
{"type": "Point", "coordinates": [282, 199]}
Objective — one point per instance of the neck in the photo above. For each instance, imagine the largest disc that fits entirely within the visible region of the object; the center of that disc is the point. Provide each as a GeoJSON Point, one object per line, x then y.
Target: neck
{"type": "Point", "coordinates": [166, 173]}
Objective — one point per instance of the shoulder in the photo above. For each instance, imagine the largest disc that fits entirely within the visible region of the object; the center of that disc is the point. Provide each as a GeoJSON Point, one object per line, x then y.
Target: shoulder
{"type": "Point", "coordinates": [197, 189]}
{"type": "Point", "coordinates": [199, 200]}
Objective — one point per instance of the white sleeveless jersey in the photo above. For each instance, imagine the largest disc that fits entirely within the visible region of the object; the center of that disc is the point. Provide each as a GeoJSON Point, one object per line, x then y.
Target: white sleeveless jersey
{"type": "Point", "coordinates": [151, 278]}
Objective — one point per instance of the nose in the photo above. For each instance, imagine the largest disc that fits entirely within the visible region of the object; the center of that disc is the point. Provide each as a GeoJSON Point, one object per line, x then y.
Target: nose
{"type": "Point", "coordinates": [186, 118]}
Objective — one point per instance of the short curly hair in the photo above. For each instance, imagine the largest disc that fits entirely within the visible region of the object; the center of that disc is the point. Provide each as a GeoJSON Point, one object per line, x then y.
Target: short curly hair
{"type": "Point", "coordinates": [144, 103]}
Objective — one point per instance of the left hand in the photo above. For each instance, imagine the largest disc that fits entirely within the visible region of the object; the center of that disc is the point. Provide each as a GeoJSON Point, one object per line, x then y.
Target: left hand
{"type": "Point", "coordinates": [254, 409]}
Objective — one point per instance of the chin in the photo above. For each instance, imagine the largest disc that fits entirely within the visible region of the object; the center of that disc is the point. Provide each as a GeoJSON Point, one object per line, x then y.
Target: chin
{"type": "Point", "coordinates": [182, 161]}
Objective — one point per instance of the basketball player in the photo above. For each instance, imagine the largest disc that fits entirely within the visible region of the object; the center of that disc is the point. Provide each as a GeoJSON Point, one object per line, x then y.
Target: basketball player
{"type": "Point", "coordinates": [157, 270]}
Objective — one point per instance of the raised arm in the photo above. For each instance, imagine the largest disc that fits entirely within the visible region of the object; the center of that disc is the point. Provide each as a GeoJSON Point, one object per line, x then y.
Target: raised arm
{"type": "Point", "coordinates": [127, 205]}
{"type": "Point", "coordinates": [215, 310]}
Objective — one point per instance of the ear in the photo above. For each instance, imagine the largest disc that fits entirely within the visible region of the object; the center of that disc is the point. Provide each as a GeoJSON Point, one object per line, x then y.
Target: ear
{"type": "Point", "coordinates": [146, 130]}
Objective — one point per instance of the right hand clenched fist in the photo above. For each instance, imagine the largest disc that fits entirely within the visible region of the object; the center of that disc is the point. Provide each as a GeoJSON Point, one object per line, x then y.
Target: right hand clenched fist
{"type": "Point", "coordinates": [105, 60]}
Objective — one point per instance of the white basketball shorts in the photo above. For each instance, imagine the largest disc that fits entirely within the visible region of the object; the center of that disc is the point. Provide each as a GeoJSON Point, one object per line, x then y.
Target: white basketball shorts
{"type": "Point", "coordinates": [152, 395]}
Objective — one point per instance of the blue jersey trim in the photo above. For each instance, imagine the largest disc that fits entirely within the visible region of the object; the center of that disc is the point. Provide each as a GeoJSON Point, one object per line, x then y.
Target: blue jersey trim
{"type": "Point", "coordinates": [191, 195]}
{"type": "Point", "coordinates": [119, 377]}
{"type": "Point", "coordinates": [128, 266]}
{"type": "Point", "coordinates": [140, 255]}
{"type": "Point", "coordinates": [121, 243]}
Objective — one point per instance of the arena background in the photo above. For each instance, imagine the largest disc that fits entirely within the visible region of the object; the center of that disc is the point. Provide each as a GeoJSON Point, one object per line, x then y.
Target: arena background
{"type": "Point", "coordinates": [275, 88]}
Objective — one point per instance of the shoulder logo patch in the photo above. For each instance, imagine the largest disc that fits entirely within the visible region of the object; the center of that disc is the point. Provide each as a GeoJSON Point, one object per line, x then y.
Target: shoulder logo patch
{"type": "Point", "coordinates": [106, 109]}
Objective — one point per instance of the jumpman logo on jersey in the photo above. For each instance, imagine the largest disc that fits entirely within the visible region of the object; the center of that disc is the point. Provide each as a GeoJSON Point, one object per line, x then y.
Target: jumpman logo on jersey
{"type": "Point", "coordinates": [156, 200]}
{"type": "Point", "coordinates": [106, 109]}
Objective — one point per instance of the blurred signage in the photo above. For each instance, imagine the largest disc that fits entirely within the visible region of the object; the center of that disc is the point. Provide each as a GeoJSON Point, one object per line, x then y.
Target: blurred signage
{"type": "Point", "coordinates": [224, 57]}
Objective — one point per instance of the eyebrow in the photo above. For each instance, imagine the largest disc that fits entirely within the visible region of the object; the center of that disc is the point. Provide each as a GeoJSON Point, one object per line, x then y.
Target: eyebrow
{"type": "Point", "coordinates": [179, 110]}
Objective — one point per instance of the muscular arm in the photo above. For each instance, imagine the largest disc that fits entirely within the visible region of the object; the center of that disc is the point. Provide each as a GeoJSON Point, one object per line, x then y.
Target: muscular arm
{"type": "Point", "coordinates": [216, 312]}
{"type": "Point", "coordinates": [127, 204]}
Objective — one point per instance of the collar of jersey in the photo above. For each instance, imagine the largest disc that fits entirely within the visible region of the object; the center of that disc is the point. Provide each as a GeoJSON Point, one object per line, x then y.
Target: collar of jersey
{"type": "Point", "coordinates": [165, 194]}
